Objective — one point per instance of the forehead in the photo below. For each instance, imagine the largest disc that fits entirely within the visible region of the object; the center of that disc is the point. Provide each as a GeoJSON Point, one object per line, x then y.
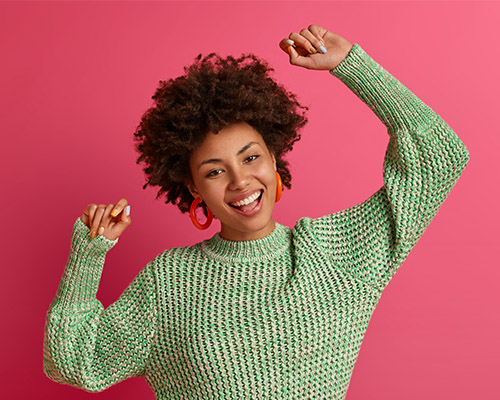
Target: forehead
{"type": "Point", "coordinates": [227, 142]}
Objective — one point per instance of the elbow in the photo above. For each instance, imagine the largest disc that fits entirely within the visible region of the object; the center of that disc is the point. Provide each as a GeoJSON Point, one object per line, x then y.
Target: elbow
{"type": "Point", "coordinates": [462, 157]}
{"type": "Point", "coordinates": [465, 156]}
{"type": "Point", "coordinates": [62, 362]}
{"type": "Point", "coordinates": [453, 152]}
{"type": "Point", "coordinates": [454, 155]}
{"type": "Point", "coordinates": [55, 374]}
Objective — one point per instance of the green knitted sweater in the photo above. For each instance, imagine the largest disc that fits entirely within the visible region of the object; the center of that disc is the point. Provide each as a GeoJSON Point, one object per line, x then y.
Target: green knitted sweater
{"type": "Point", "coordinates": [281, 317]}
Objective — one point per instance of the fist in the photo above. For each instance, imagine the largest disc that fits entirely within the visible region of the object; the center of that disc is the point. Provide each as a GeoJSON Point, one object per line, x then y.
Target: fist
{"type": "Point", "coordinates": [316, 48]}
{"type": "Point", "coordinates": [107, 220]}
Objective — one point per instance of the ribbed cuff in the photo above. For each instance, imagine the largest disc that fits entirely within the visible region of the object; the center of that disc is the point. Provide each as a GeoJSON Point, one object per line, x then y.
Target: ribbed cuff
{"type": "Point", "coordinates": [395, 105]}
{"type": "Point", "coordinates": [82, 275]}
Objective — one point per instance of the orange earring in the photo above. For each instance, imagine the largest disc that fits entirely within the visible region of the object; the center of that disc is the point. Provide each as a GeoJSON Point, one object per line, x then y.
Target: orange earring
{"type": "Point", "coordinates": [192, 214]}
{"type": "Point", "coordinates": [279, 187]}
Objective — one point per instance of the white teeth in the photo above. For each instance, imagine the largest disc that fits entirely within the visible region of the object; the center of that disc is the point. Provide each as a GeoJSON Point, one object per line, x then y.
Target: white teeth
{"type": "Point", "coordinates": [248, 200]}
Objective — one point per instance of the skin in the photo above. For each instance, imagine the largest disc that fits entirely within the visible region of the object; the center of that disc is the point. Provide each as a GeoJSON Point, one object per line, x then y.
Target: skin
{"type": "Point", "coordinates": [219, 182]}
{"type": "Point", "coordinates": [236, 174]}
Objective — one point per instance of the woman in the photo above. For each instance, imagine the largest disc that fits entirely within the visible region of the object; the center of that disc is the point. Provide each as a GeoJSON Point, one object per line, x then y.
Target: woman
{"type": "Point", "coordinates": [259, 310]}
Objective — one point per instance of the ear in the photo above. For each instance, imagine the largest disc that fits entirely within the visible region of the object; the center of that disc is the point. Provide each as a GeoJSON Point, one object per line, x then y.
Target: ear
{"type": "Point", "coordinates": [192, 189]}
{"type": "Point", "coordinates": [274, 161]}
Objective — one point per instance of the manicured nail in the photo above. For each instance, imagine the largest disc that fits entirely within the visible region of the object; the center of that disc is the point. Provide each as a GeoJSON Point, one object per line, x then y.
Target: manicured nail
{"type": "Point", "coordinates": [93, 234]}
{"type": "Point", "coordinates": [290, 42]}
{"type": "Point", "coordinates": [289, 49]}
{"type": "Point", "coordinates": [127, 210]}
{"type": "Point", "coordinates": [312, 50]}
{"type": "Point", "coordinates": [101, 230]}
{"type": "Point", "coordinates": [322, 49]}
{"type": "Point", "coordinates": [114, 213]}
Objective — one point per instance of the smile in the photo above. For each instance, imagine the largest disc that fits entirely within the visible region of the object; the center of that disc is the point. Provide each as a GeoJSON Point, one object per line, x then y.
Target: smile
{"type": "Point", "coordinates": [249, 206]}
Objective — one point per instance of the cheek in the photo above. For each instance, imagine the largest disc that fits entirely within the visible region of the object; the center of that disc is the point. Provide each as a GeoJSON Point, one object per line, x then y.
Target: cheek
{"type": "Point", "coordinates": [213, 192]}
{"type": "Point", "coordinates": [267, 174]}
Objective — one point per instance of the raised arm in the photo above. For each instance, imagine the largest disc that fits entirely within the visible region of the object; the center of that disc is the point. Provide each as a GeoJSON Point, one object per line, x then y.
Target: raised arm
{"type": "Point", "coordinates": [423, 161]}
{"type": "Point", "coordinates": [85, 345]}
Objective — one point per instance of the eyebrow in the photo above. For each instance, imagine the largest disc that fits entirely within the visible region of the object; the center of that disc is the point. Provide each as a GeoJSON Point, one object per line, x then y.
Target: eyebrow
{"type": "Point", "coordinates": [216, 160]}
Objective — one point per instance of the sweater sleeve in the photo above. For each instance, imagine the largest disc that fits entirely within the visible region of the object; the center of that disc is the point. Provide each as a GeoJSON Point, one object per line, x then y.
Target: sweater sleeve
{"type": "Point", "coordinates": [85, 345]}
{"type": "Point", "coordinates": [423, 161]}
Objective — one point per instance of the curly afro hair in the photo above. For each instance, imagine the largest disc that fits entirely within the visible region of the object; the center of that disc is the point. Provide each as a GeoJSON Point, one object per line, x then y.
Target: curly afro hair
{"type": "Point", "coordinates": [214, 92]}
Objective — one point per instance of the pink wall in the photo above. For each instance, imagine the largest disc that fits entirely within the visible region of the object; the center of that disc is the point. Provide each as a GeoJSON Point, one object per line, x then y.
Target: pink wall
{"type": "Point", "coordinates": [75, 79]}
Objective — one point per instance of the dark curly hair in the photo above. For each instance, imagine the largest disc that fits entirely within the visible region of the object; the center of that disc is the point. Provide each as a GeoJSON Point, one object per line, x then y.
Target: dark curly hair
{"type": "Point", "coordinates": [214, 92]}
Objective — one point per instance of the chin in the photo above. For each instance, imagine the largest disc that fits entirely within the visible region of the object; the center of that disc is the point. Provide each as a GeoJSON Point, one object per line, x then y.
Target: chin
{"type": "Point", "coordinates": [256, 221]}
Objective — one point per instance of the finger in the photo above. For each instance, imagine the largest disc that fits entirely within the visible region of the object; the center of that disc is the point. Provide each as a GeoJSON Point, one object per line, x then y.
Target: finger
{"type": "Point", "coordinates": [292, 52]}
{"type": "Point", "coordinates": [319, 32]}
{"type": "Point", "coordinates": [122, 203]}
{"type": "Point", "coordinates": [315, 42]}
{"type": "Point", "coordinates": [85, 218]}
{"type": "Point", "coordinates": [88, 214]}
{"type": "Point", "coordinates": [285, 43]}
{"type": "Point", "coordinates": [299, 47]}
{"type": "Point", "coordinates": [303, 43]}
{"type": "Point", "coordinates": [297, 59]}
{"type": "Point", "coordinates": [96, 221]}
{"type": "Point", "coordinates": [106, 219]}
{"type": "Point", "coordinates": [125, 216]}
{"type": "Point", "coordinates": [117, 227]}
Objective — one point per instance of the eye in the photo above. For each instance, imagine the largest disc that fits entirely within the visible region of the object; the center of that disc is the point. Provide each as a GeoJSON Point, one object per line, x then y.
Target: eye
{"type": "Point", "coordinates": [213, 173]}
{"type": "Point", "coordinates": [252, 158]}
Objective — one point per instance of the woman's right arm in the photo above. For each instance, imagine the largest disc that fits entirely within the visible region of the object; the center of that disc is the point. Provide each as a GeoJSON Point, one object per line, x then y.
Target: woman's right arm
{"type": "Point", "coordinates": [85, 345]}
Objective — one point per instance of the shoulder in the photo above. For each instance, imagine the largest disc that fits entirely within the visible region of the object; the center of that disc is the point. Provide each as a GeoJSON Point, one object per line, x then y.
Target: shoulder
{"type": "Point", "coordinates": [176, 258]}
{"type": "Point", "coordinates": [303, 232]}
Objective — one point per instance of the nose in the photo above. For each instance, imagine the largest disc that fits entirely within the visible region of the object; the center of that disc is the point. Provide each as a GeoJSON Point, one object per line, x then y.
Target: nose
{"type": "Point", "coordinates": [239, 179]}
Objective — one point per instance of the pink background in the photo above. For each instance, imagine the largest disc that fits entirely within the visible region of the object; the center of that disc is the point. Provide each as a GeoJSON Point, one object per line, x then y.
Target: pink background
{"type": "Point", "coordinates": [75, 80]}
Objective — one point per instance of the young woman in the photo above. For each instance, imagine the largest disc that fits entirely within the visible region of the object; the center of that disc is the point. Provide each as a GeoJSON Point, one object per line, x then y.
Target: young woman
{"type": "Point", "coordinates": [259, 310]}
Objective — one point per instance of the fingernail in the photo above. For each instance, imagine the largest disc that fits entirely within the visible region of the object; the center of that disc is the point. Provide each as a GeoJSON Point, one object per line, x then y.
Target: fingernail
{"type": "Point", "coordinates": [93, 234]}
{"type": "Point", "coordinates": [290, 42]}
{"type": "Point", "coordinates": [101, 230]}
{"type": "Point", "coordinates": [312, 50]}
{"type": "Point", "coordinates": [114, 213]}
{"type": "Point", "coordinates": [322, 49]}
{"type": "Point", "coordinates": [289, 49]}
{"type": "Point", "coordinates": [127, 210]}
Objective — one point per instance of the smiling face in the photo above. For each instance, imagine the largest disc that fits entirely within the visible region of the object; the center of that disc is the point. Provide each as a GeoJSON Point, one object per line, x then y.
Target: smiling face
{"type": "Point", "coordinates": [232, 168]}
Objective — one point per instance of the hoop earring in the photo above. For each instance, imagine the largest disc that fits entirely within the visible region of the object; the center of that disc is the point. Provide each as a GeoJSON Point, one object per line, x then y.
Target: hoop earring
{"type": "Point", "coordinates": [279, 187]}
{"type": "Point", "coordinates": [192, 214]}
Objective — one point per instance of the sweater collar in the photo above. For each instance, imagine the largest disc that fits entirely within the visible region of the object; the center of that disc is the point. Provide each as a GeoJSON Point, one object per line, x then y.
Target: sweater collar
{"type": "Point", "coordinates": [264, 248]}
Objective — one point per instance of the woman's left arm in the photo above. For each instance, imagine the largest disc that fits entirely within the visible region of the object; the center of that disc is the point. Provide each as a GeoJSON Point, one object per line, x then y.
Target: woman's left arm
{"type": "Point", "coordinates": [423, 161]}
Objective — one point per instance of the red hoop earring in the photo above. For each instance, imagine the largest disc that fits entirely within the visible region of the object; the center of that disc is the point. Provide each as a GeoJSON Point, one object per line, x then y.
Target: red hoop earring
{"type": "Point", "coordinates": [279, 187]}
{"type": "Point", "coordinates": [192, 214]}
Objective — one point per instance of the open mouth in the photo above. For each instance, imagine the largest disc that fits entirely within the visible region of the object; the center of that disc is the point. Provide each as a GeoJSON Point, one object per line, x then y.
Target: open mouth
{"type": "Point", "coordinates": [249, 204]}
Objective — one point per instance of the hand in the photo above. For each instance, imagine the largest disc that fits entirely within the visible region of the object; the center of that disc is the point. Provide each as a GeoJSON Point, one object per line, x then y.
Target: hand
{"type": "Point", "coordinates": [306, 52]}
{"type": "Point", "coordinates": [103, 221]}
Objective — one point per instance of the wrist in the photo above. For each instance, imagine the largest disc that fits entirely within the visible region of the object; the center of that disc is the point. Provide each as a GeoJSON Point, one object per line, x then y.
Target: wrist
{"type": "Point", "coordinates": [345, 53]}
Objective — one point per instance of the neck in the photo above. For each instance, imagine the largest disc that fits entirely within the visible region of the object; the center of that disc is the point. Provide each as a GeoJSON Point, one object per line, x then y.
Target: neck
{"type": "Point", "coordinates": [229, 233]}
{"type": "Point", "coordinates": [251, 251]}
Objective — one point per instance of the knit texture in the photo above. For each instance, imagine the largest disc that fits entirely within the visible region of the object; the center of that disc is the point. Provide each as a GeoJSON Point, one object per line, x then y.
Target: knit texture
{"type": "Point", "coordinates": [281, 317]}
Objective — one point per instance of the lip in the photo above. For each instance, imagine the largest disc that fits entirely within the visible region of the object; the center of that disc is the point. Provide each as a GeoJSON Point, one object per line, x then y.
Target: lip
{"type": "Point", "coordinates": [244, 195]}
{"type": "Point", "coordinates": [255, 210]}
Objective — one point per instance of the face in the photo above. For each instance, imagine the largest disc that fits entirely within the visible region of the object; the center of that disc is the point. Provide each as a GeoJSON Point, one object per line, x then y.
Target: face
{"type": "Point", "coordinates": [231, 168]}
